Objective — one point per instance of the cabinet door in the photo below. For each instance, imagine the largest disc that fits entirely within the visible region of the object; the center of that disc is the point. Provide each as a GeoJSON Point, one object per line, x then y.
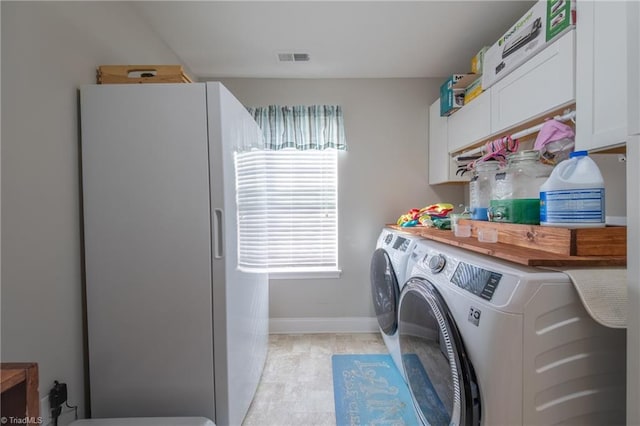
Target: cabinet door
{"type": "Point", "coordinates": [442, 168]}
{"type": "Point", "coordinates": [471, 123]}
{"type": "Point", "coordinates": [601, 75]}
{"type": "Point", "coordinates": [147, 230]}
{"type": "Point", "coordinates": [540, 85]}
{"type": "Point", "coordinates": [633, 76]}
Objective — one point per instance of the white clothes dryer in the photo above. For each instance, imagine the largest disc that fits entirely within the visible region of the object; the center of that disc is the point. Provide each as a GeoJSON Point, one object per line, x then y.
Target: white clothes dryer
{"type": "Point", "coordinates": [387, 273]}
{"type": "Point", "coordinates": [488, 342]}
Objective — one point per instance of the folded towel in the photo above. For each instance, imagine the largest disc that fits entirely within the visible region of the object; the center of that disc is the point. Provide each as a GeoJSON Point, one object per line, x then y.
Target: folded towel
{"type": "Point", "coordinates": [603, 292]}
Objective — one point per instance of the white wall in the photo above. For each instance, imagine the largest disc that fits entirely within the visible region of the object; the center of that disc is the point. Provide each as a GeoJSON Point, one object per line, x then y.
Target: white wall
{"type": "Point", "coordinates": [49, 49]}
{"type": "Point", "coordinates": [614, 173]}
{"type": "Point", "coordinates": [381, 176]}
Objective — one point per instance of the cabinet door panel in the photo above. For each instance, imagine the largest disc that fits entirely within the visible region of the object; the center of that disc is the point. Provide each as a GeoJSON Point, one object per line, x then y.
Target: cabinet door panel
{"type": "Point", "coordinates": [471, 123]}
{"type": "Point", "coordinates": [601, 79]}
{"type": "Point", "coordinates": [633, 76]}
{"type": "Point", "coordinates": [542, 84]}
{"type": "Point", "coordinates": [145, 175]}
{"type": "Point", "coordinates": [442, 168]}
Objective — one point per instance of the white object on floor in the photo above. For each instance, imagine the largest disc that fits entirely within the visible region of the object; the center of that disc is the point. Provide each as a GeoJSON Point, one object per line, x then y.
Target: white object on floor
{"type": "Point", "coordinates": [146, 421]}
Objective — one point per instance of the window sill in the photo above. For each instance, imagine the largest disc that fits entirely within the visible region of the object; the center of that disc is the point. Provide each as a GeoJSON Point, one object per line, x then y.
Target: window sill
{"type": "Point", "coordinates": [305, 275]}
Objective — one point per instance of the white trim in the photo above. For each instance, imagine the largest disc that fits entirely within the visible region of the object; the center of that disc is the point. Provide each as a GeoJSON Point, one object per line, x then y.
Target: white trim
{"type": "Point", "coordinates": [616, 220]}
{"type": "Point", "coordinates": [305, 275]}
{"type": "Point", "coordinates": [323, 325]}
{"type": "Point", "coordinates": [526, 132]}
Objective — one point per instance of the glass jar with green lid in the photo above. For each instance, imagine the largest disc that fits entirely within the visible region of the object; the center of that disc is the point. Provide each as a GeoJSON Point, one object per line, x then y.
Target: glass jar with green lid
{"type": "Point", "coordinates": [516, 193]}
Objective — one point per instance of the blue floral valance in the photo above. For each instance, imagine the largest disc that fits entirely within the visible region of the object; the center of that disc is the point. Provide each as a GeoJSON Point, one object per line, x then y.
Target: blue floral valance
{"type": "Point", "coordinates": [301, 127]}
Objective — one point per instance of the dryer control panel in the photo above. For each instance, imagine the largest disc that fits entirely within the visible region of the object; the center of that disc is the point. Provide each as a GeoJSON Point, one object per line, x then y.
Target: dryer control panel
{"type": "Point", "coordinates": [401, 243]}
{"type": "Point", "coordinates": [481, 282]}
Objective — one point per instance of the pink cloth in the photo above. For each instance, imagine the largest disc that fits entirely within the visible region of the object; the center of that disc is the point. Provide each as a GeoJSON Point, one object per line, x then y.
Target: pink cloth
{"type": "Point", "coordinates": [551, 131]}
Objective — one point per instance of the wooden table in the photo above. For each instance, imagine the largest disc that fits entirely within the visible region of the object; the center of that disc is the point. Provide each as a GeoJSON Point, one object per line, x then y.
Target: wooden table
{"type": "Point", "coordinates": [19, 388]}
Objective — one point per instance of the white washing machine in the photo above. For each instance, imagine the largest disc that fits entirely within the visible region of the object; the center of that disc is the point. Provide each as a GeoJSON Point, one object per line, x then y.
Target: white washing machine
{"type": "Point", "coordinates": [487, 342]}
{"type": "Point", "coordinates": [387, 273]}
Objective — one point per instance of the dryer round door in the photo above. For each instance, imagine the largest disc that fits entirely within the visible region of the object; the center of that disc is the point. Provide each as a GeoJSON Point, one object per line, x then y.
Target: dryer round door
{"type": "Point", "coordinates": [384, 291]}
{"type": "Point", "coordinates": [436, 366]}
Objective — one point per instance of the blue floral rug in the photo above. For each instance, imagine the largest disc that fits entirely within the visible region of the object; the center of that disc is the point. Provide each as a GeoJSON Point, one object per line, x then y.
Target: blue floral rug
{"type": "Point", "coordinates": [369, 390]}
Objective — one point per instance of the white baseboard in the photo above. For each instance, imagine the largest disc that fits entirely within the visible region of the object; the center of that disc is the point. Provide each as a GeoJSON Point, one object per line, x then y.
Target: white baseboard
{"type": "Point", "coordinates": [323, 325]}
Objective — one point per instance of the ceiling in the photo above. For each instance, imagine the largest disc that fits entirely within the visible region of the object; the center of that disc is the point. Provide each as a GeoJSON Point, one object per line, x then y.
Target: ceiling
{"type": "Point", "coordinates": [345, 39]}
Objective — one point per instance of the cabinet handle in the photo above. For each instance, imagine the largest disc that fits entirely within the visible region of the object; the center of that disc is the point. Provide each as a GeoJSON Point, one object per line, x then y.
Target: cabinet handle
{"type": "Point", "coordinates": [218, 237]}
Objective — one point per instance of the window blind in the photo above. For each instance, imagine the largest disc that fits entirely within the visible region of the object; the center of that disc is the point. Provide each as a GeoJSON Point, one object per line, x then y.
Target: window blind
{"type": "Point", "coordinates": [287, 210]}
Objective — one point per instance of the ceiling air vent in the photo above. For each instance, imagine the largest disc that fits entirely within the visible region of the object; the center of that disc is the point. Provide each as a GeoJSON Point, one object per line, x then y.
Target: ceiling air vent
{"type": "Point", "coordinates": [293, 57]}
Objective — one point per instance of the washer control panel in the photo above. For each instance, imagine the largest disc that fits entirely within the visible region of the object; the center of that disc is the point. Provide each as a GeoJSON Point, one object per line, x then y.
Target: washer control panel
{"type": "Point", "coordinates": [481, 282]}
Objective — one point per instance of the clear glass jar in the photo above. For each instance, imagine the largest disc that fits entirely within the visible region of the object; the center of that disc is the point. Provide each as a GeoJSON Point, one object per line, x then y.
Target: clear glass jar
{"type": "Point", "coordinates": [516, 193]}
{"type": "Point", "coordinates": [527, 173]}
{"type": "Point", "coordinates": [480, 189]}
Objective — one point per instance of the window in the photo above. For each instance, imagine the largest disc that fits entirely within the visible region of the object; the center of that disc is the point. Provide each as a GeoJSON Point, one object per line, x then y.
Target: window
{"type": "Point", "coordinates": [287, 202]}
{"type": "Point", "coordinates": [287, 192]}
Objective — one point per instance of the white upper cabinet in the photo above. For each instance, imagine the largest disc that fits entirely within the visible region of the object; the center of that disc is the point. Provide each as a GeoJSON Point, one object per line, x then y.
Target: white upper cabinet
{"type": "Point", "coordinates": [633, 76]}
{"type": "Point", "coordinates": [543, 83]}
{"type": "Point", "coordinates": [471, 123]}
{"type": "Point", "coordinates": [442, 167]}
{"type": "Point", "coordinates": [601, 74]}
{"type": "Point", "coordinates": [539, 87]}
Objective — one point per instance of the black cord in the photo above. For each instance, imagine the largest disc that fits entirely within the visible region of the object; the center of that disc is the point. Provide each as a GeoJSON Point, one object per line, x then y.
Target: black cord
{"type": "Point", "coordinates": [55, 413]}
{"type": "Point", "coordinates": [75, 408]}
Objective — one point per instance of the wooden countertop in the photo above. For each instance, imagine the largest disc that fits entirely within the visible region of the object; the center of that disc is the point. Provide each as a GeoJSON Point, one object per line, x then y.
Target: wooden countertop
{"type": "Point", "coordinates": [11, 375]}
{"type": "Point", "coordinates": [512, 252]}
{"type": "Point", "coordinates": [19, 389]}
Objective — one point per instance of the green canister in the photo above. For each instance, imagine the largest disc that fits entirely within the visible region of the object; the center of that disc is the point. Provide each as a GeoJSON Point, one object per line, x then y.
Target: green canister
{"type": "Point", "coordinates": [516, 191]}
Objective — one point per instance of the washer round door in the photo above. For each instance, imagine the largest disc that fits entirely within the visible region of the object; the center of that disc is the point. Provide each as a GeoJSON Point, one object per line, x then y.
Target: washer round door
{"type": "Point", "coordinates": [384, 291]}
{"type": "Point", "coordinates": [438, 372]}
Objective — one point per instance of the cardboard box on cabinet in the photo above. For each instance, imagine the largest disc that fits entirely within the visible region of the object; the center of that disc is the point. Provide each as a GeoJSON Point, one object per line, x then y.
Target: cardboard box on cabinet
{"type": "Point", "coordinates": [135, 74]}
{"type": "Point", "coordinates": [478, 61]}
{"type": "Point", "coordinates": [452, 93]}
{"type": "Point", "coordinates": [542, 24]}
{"type": "Point", "coordinates": [474, 90]}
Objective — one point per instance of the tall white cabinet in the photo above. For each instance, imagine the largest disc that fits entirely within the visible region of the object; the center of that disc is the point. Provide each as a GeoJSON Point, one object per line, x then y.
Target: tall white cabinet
{"type": "Point", "coordinates": [633, 207]}
{"type": "Point", "coordinates": [633, 75]}
{"type": "Point", "coordinates": [608, 115]}
{"type": "Point", "coordinates": [601, 74]}
{"type": "Point", "coordinates": [175, 327]}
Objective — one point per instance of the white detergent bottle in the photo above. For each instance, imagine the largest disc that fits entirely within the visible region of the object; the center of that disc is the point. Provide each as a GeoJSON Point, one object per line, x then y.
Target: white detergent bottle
{"type": "Point", "coordinates": [573, 196]}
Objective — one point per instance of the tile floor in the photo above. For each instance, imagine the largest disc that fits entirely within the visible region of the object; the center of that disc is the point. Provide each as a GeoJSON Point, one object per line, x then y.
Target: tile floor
{"type": "Point", "coordinates": [297, 386]}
